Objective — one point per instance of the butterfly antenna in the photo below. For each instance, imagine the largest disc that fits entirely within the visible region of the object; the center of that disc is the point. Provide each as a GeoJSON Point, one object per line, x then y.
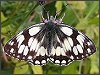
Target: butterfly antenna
{"type": "Point", "coordinates": [59, 12]}
{"type": "Point", "coordinates": [55, 17]}
{"type": "Point", "coordinates": [45, 11]}
{"type": "Point", "coordinates": [42, 16]}
{"type": "Point", "coordinates": [62, 17]}
{"type": "Point", "coordinates": [48, 15]}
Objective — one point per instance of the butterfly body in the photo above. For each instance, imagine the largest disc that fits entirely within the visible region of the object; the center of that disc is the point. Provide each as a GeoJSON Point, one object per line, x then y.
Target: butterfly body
{"type": "Point", "coordinates": [52, 41]}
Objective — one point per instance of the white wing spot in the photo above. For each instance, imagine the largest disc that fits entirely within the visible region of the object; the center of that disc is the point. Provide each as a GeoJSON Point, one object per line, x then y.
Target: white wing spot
{"type": "Point", "coordinates": [34, 44]}
{"type": "Point", "coordinates": [71, 57]}
{"type": "Point", "coordinates": [67, 31]}
{"type": "Point", "coordinates": [64, 48]}
{"type": "Point", "coordinates": [43, 62]}
{"type": "Point", "coordinates": [69, 60]}
{"type": "Point", "coordinates": [79, 49]}
{"type": "Point", "coordinates": [80, 40]}
{"type": "Point", "coordinates": [21, 48]}
{"type": "Point", "coordinates": [53, 51]}
{"type": "Point", "coordinates": [12, 43]}
{"type": "Point", "coordinates": [86, 54]}
{"type": "Point", "coordinates": [29, 57]}
{"type": "Point", "coordinates": [88, 43]}
{"type": "Point", "coordinates": [42, 51]}
{"type": "Point", "coordinates": [67, 45]}
{"type": "Point", "coordinates": [88, 50]}
{"type": "Point", "coordinates": [75, 50]}
{"type": "Point", "coordinates": [37, 62]}
{"type": "Point", "coordinates": [58, 39]}
{"type": "Point", "coordinates": [77, 57]}
{"type": "Point", "coordinates": [58, 51]}
{"type": "Point", "coordinates": [70, 41]}
{"type": "Point", "coordinates": [20, 39]}
{"type": "Point", "coordinates": [34, 30]}
{"type": "Point", "coordinates": [30, 41]}
{"type": "Point", "coordinates": [82, 56]}
{"type": "Point", "coordinates": [51, 59]}
{"type": "Point", "coordinates": [63, 62]}
{"type": "Point", "coordinates": [23, 57]}
{"type": "Point", "coordinates": [57, 61]}
{"type": "Point", "coordinates": [63, 52]}
{"type": "Point", "coordinates": [18, 56]}
{"type": "Point", "coordinates": [13, 54]}
{"type": "Point", "coordinates": [11, 50]}
{"type": "Point", "coordinates": [47, 59]}
{"type": "Point", "coordinates": [26, 50]}
{"type": "Point", "coordinates": [9, 42]}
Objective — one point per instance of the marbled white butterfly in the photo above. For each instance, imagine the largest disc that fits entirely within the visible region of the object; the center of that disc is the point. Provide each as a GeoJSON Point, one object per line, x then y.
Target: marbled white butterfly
{"type": "Point", "coordinates": [50, 40]}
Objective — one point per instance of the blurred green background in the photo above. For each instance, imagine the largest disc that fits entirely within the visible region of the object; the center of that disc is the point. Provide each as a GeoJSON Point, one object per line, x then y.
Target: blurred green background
{"type": "Point", "coordinates": [18, 15]}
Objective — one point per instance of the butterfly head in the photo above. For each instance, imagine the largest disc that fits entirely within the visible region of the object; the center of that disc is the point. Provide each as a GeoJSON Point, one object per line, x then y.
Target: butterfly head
{"type": "Point", "coordinates": [52, 20]}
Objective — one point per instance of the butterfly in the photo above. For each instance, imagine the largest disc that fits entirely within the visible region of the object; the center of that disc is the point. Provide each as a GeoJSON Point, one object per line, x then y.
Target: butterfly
{"type": "Point", "coordinates": [50, 40]}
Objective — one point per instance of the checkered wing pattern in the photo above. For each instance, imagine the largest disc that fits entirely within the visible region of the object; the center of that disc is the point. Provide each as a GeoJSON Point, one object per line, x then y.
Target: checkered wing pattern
{"type": "Point", "coordinates": [58, 43]}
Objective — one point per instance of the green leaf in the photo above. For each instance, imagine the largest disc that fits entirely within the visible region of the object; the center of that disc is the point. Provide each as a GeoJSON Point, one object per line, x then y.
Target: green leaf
{"type": "Point", "coordinates": [94, 69]}
{"type": "Point", "coordinates": [37, 69]}
{"type": "Point", "coordinates": [51, 68]}
{"type": "Point", "coordinates": [22, 68]}
{"type": "Point", "coordinates": [71, 68]}
{"type": "Point", "coordinates": [3, 18]}
{"type": "Point", "coordinates": [4, 30]}
{"type": "Point", "coordinates": [58, 6]}
{"type": "Point", "coordinates": [94, 21]}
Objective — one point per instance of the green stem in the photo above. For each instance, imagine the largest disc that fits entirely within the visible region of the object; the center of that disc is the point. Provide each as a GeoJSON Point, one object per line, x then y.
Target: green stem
{"type": "Point", "coordinates": [93, 8]}
{"type": "Point", "coordinates": [80, 67]}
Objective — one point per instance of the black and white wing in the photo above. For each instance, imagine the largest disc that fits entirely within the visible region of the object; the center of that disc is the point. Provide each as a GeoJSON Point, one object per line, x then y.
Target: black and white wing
{"type": "Point", "coordinates": [39, 43]}
{"type": "Point", "coordinates": [70, 44]}
{"type": "Point", "coordinates": [27, 45]}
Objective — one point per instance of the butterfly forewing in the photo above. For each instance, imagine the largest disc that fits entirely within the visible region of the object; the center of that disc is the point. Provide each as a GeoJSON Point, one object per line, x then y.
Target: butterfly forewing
{"type": "Point", "coordinates": [70, 44]}
{"type": "Point", "coordinates": [27, 45]}
{"type": "Point", "coordinates": [76, 44]}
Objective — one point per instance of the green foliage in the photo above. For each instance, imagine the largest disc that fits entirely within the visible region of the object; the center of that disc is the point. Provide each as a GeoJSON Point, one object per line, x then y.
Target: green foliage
{"type": "Point", "coordinates": [83, 15]}
{"type": "Point", "coordinates": [37, 69]}
{"type": "Point", "coordinates": [21, 69]}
